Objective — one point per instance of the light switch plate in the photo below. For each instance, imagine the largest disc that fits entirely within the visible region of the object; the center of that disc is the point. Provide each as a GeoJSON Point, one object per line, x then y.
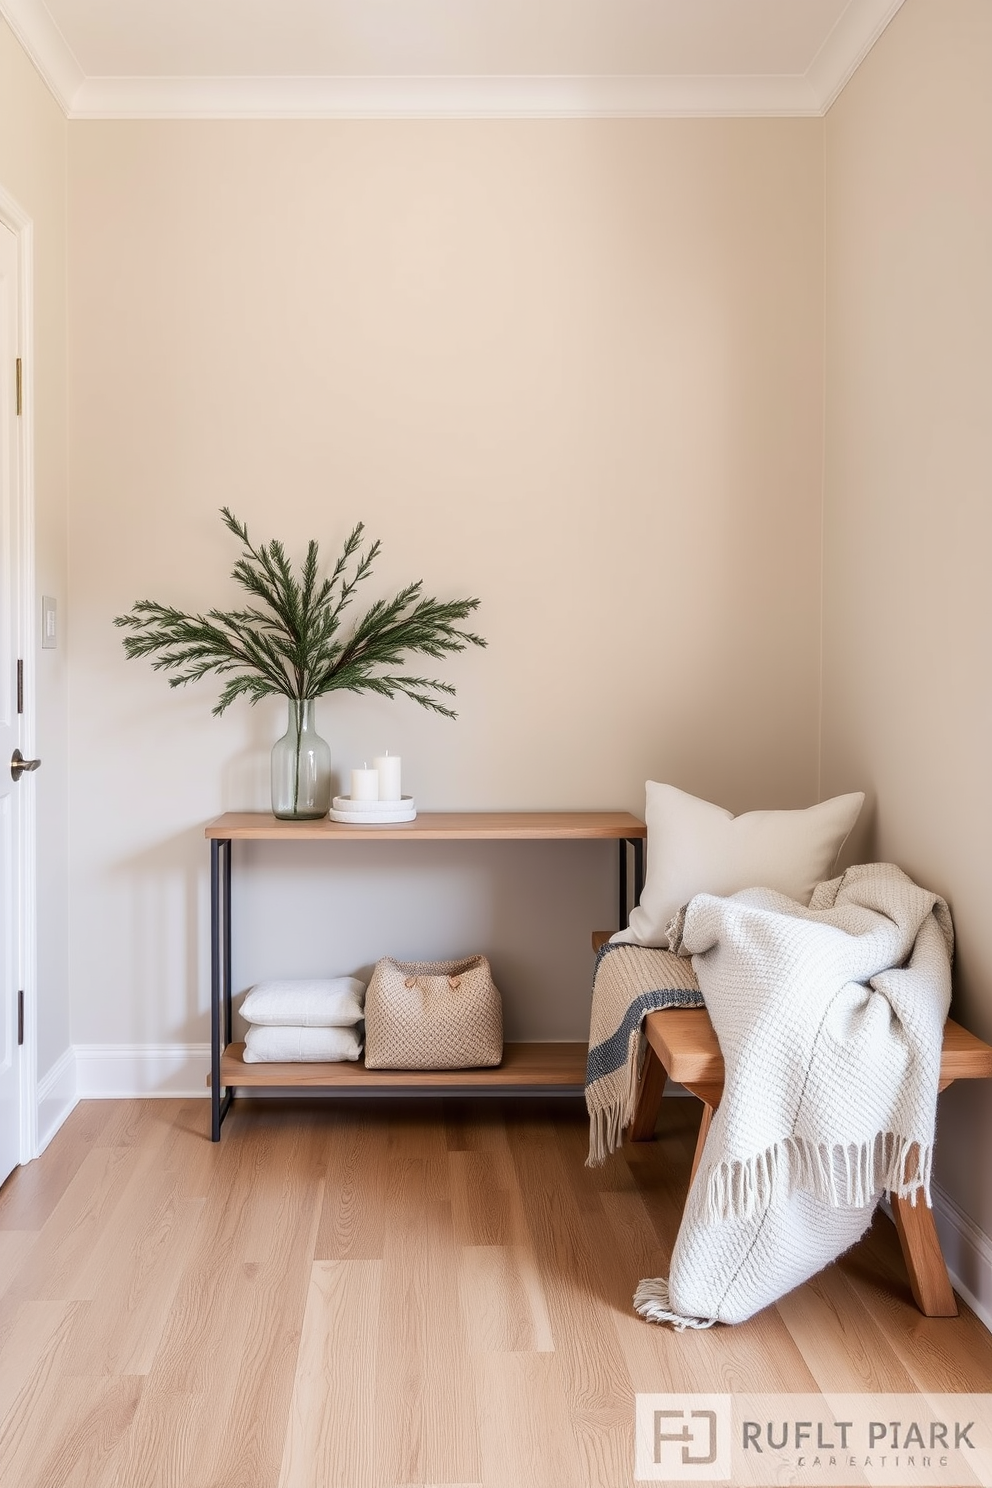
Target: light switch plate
{"type": "Point", "coordinates": [49, 632]}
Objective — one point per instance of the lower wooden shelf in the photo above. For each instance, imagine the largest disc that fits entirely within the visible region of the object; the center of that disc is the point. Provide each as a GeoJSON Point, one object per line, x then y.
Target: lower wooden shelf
{"type": "Point", "coordinates": [524, 1067]}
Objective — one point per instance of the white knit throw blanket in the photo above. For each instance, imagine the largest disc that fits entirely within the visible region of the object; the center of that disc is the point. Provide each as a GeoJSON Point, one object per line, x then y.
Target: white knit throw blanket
{"type": "Point", "coordinates": [830, 1019]}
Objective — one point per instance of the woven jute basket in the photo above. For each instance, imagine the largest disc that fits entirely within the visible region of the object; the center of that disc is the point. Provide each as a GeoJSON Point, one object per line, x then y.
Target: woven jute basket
{"type": "Point", "coordinates": [433, 1015]}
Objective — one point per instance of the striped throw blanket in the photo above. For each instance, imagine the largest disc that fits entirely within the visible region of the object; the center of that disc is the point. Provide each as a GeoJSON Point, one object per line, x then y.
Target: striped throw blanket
{"type": "Point", "coordinates": [630, 982]}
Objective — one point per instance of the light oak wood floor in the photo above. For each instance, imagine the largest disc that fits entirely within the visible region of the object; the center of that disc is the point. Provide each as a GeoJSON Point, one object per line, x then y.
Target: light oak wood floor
{"type": "Point", "coordinates": [376, 1295]}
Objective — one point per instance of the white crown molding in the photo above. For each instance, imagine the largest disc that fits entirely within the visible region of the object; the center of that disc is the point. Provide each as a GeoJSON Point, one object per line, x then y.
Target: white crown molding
{"type": "Point", "coordinates": [482, 97]}
{"type": "Point", "coordinates": [847, 46]}
{"type": "Point", "coordinates": [32, 24]}
{"type": "Point", "coordinates": [450, 97]}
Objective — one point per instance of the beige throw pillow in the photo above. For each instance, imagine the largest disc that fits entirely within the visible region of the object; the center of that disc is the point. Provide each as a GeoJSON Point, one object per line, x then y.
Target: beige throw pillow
{"type": "Point", "coordinates": [695, 847]}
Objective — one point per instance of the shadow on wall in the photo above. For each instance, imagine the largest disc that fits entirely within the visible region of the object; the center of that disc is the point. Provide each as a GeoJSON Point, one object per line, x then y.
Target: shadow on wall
{"type": "Point", "coordinates": [244, 775]}
{"type": "Point", "coordinates": [166, 929]}
{"type": "Point", "coordinates": [862, 845]}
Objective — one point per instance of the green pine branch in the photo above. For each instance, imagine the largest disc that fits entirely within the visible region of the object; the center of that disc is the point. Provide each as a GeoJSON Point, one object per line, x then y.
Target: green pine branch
{"type": "Point", "coordinates": [288, 640]}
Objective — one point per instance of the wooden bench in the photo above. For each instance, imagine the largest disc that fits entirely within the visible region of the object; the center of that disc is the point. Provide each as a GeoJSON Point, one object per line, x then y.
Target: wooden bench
{"type": "Point", "coordinates": [682, 1046]}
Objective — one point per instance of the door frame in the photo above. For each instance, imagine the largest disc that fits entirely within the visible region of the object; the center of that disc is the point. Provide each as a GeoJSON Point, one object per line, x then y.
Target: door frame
{"type": "Point", "coordinates": [14, 217]}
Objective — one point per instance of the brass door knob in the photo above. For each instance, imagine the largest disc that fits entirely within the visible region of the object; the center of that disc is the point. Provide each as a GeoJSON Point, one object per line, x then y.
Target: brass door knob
{"type": "Point", "coordinates": [18, 764]}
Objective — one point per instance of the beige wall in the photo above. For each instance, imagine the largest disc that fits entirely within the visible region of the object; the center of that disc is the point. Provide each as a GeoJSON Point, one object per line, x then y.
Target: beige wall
{"type": "Point", "coordinates": [908, 531]}
{"type": "Point", "coordinates": [574, 368]}
{"type": "Point", "coordinates": [33, 170]}
{"type": "Point", "coordinates": [577, 369]}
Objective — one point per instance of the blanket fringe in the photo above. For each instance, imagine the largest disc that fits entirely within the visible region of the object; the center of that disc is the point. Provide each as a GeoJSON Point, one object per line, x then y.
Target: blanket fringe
{"type": "Point", "coordinates": [653, 1302]}
{"type": "Point", "coordinates": [607, 1124]}
{"type": "Point", "coordinates": [842, 1175]}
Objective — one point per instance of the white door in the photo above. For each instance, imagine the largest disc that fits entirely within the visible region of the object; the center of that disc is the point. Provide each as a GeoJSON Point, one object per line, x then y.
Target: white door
{"type": "Point", "coordinates": [10, 792]}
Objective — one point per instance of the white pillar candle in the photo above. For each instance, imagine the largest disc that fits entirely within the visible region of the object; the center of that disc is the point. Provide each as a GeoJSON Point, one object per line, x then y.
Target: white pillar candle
{"type": "Point", "coordinates": [388, 767]}
{"type": "Point", "coordinates": [365, 785]}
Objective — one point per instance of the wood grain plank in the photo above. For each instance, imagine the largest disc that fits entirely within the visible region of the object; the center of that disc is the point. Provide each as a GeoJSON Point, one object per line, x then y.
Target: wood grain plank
{"type": "Point", "coordinates": [287, 1186]}
{"type": "Point", "coordinates": [137, 1123]}
{"type": "Point", "coordinates": [417, 1132]}
{"type": "Point", "coordinates": [422, 1343]}
{"type": "Point", "coordinates": [576, 1276]}
{"type": "Point", "coordinates": [15, 1247]}
{"type": "Point", "coordinates": [246, 1440]}
{"type": "Point", "coordinates": [495, 1300]}
{"type": "Point", "coordinates": [61, 1266]}
{"type": "Point", "coordinates": [353, 1209]}
{"type": "Point", "coordinates": [33, 1190]}
{"type": "Point", "coordinates": [143, 1260]}
{"type": "Point", "coordinates": [26, 1338]}
{"type": "Point", "coordinates": [207, 1310]}
{"type": "Point", "coordinates": [422, 1358]}
{"type": "Point", "coordinates": [486, 1201]}
{"type": "Point", "coordinates": [939, 1354]}
{"type": "Point", "coordinates": [243, 1434]}
{"type": "Point", "coordinates": [525, 1430]}
{"type": "Point", "coordinates": [188, 1154]}
{"type": "Point", "coordinates": [842, 1345]}
{"type": "Point", "coordinates": [333, 1425]}
{"type": "Point", "coordinates": [579, 1282]}
{"type": "Point", "coordinates": [158, 1449]}
{"type": "Point", "coordinates": [587, 1184]}
{"type": "Point", "coordinates": [30, 1360]}
{"type": "Point", "coordinates": [477, 1125]}
{"type": "Point", "coordinates": [89, 1419]}
{"type": "Point", "coordinates": [493, 1332]}
{"type": "Point", "coordinates": [480, 1204]}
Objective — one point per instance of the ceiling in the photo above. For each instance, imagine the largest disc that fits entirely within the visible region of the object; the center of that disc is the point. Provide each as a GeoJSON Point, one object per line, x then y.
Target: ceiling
{"type": "Point", "coordinates": [445, 58]}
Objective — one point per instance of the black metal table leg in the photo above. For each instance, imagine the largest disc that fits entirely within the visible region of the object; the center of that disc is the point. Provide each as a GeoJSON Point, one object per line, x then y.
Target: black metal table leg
{"type": "Point", "coordinates": [622, 916]}
{"type": "Point", "coordinates": [228, 1025]}
{"type": "Point", "coordinates": [220, 974]}
{"type": "Point", "coordinates": [637, 844]}
{"type": "Point", "coordinates": [214, 990]}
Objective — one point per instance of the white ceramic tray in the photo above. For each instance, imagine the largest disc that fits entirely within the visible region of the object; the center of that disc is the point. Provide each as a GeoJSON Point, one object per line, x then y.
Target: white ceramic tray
{"type": "Point", "coordinates": [372, 813]}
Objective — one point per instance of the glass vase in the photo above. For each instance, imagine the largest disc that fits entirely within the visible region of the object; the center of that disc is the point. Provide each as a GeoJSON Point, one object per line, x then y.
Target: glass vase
{"type": "Point", "coordinates": [301, 767]}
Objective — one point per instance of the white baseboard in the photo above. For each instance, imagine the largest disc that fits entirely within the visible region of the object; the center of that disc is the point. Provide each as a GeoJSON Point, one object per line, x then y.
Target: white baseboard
{"type": "Point", "coordinates": [57, 1098]}
{"type": "Point", "coordinates": [127, 1071]}
{"type": "Point", "coordinates": [968, 1253]}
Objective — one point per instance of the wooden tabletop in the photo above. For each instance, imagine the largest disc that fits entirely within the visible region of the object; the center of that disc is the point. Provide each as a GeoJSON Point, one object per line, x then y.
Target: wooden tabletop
{"type": "Point", "coordinates": [446, 826]}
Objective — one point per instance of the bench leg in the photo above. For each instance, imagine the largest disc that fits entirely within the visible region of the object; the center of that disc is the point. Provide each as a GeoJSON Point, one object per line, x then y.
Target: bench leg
{"type": "Point", "coordinates": [649, 1094]}
{"type": "Point", "coordinates": [928, 1278]}
{"type": "Point", "coordinates": [704, 1127]}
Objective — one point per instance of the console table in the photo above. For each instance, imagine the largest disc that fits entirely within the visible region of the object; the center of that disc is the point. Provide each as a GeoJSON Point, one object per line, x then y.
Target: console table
{"type": "Point", "coordinates": [526, 1067]}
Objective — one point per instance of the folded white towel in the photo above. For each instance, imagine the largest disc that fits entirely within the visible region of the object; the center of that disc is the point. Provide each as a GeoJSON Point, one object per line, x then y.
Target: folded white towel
{"type": "Point", "coordinates": [301, 1045]}
{"type": "Point", "coordinates": [333, 1002]}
